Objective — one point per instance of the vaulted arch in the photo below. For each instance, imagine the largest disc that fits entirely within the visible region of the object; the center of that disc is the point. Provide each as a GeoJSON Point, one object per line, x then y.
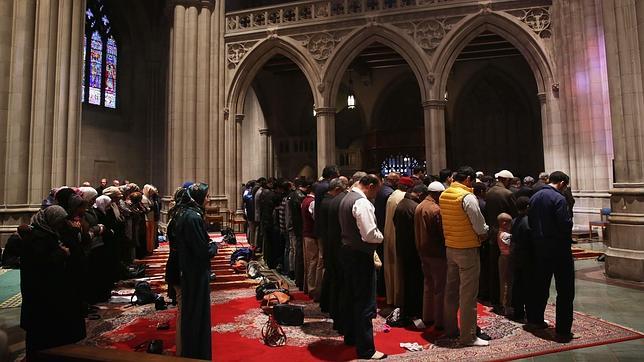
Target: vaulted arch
{"type": "Point", "coordinates": [517, 33]}
{"type": "Point", "coordinates": [361, 38]}
{"type": "Point", "coordinates": [255, 59]}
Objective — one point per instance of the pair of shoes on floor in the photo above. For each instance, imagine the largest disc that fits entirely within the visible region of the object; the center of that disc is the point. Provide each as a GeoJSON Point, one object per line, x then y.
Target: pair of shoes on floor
{"type": "Point", "coordinates": [566, 338]}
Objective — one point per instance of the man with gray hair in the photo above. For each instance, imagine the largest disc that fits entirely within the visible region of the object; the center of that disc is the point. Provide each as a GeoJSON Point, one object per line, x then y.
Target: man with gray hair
{"type": "Point", "coordinates": [542, 182]}
{"type": "Point", "coordinates": [356, 177]}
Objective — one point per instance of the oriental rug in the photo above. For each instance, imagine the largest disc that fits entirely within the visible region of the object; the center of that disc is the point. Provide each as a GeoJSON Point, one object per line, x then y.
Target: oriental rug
{"type": "Point", "coordinates": [237, 321]}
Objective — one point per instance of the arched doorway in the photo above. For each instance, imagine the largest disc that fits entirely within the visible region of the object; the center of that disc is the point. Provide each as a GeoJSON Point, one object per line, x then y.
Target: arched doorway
{"type": "Point", "coordinates": [493, 115]}
{"type": "Point", "coordinates": [387, 120]}
{"type": "Point", "coordinates": [279, 128]}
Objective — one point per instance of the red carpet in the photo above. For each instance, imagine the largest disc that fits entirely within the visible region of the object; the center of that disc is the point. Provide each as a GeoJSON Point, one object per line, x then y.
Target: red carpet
{"type": "Point", "coordinates": [237, 322]}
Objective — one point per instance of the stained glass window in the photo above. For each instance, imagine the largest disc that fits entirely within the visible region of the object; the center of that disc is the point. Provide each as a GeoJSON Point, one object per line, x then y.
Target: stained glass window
{"type": "Point", "coordinates": [99, 57]}
{"type": "Point", "coordinates": [83, 74]}
{"type": "Point", "coordinates": [110, 74]}
{"type": "Point", "coordinates": [96, 64]}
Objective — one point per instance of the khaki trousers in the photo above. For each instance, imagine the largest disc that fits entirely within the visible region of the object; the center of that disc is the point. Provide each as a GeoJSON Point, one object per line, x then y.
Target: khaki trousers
{"type": "Point", "coordinates": [461, 289]}
{"type": "Point", "coordinates": [313, 267]}
{"type": "Point", "coordinates": [505, 282]}
{"type": "Point", "coordinates": [434, 271]}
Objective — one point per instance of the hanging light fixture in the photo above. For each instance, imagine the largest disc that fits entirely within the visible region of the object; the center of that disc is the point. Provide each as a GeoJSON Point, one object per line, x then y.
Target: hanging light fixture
{"type": "Point", "coordinates": [351, 99]}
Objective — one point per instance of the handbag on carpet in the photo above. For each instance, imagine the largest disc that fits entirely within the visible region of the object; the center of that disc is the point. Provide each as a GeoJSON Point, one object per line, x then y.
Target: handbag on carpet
{"type": "Point", "coordinates": [288, 314]}
{"type": "Point", "coordinates": [272, 333]}
{"type": "Point", "coordinates": [143, 294]}
{"type": "Point", "coordinates": [272, 299]}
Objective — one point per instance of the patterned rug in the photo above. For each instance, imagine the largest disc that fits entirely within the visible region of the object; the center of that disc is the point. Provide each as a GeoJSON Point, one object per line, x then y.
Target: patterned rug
{"type": "Point", "coordinates": [237, 322]}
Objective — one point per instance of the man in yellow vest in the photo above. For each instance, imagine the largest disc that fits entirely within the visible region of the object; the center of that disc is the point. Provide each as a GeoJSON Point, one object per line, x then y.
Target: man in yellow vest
{"type": "Point", "coordinates": [464, 228]}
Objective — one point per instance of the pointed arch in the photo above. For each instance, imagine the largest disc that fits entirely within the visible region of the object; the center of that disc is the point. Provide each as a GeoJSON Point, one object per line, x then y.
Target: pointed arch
{"type": "Point", "coordinates": [361, 38]}
{"type": "Point", "coordinates": [514, 31]}
{"type": "Point", "coordinates": [255, 59]}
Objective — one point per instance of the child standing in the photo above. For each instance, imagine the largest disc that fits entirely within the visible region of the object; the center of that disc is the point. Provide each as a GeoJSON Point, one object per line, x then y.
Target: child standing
{"type": "Point", "coordinates": [505, 272]}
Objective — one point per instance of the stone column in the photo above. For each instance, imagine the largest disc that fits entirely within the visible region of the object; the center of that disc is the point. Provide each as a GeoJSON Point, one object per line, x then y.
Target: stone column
{"type": "Point", "coordinates": [191, 86]}
{"type": "Point", "coordinates": [435, 148]}
{"type": "Point", "coordinates": [239, 118]}
{"type": "Point", "coordinates": [325, 137]}
{"type": "Point", "coordinates": [584, 105]}
{"type": "Point", "coordinates": [18, 106]}
{"type": "Point", "coordinates": [268, 151]}
{"type": "Point", "coordinates": [624, 34]}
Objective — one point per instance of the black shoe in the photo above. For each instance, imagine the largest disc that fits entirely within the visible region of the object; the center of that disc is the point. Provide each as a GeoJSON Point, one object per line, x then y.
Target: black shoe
{"type": "Point", "coordinates": [566, 338]}
{"type": "Point", "coordinates": [484, 336]}
{"type": "Point", "coordinates": [536, 326]}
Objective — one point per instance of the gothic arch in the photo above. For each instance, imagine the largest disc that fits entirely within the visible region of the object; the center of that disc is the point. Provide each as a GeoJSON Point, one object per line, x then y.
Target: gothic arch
{"type": "Point", "coordinates": [517, 33]}
{"type": "Point", "coordinates": [255, 59]}
{"type": "Point", "coordinates": [357, 41]}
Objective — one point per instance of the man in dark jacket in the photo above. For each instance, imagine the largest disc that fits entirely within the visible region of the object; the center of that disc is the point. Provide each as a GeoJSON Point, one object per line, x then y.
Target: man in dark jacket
{"type": "Point", "coordinates": [407, 254]}
{"type": "Point", "coordinates": [333, 263]}
{"type": "Point", "coordinates": [498, 199]}
{"type": "Point", "coordinates": [294, 229]}
{"type": "Point", "coordinates": [522, 254]}
{"type": "Point", "coordinates": [388, 187]}
{"type": "Point", "coordinates": [551, 230]}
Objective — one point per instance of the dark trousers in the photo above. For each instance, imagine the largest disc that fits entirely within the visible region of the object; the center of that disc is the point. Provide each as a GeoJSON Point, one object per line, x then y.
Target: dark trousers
{"type": "Point", "coordinates": [560, 265]}
{"type": "Point", "coordinates": [484, 284]}
{"type": "Point", "coordinates": [521, 286]}
{"type": "Point", "coordinates": [360, 297]}
{"type": "Point", "coordinates": [493, 271]}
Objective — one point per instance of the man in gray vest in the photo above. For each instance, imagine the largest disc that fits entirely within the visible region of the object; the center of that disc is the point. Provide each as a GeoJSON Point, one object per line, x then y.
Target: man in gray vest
{"type": "Point", "coordinates": [360, 237]}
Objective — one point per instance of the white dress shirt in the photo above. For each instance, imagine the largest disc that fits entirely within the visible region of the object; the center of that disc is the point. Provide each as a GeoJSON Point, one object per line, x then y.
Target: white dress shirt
{"type": "Point", "coordinates": [365, 214]}
{"type": "Point", "coordinates": [471, 207]}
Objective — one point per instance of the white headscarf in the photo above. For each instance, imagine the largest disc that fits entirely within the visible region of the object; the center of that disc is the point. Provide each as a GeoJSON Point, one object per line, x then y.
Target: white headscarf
{"type": "Point", "coordinates": [102, 203]}
{"type": "Point", "coordinates": [89, 193]}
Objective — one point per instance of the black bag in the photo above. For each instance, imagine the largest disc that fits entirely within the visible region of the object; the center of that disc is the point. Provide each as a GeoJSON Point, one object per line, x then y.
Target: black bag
{"type": "Point", "coordinates": [136, 271]}
{"type": "Point", "coordinates": [289, 314]}
{"type": "Point", "coordinates": [261, 289]}
{"type": "Point", "coordinates": [143, 294]}
{"type": "Point", "coordinates": [155, 347]}
{"type": "Point", "coordinates": [212, 249]}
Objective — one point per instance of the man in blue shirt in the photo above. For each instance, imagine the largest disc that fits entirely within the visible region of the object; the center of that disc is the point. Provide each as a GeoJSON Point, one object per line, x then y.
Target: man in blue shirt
{"type": "Point", "coordinates": [551, 228]}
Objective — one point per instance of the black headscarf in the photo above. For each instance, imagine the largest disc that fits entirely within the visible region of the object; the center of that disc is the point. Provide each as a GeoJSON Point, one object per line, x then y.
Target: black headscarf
{"type": "Point", "coordinates": [48, 219]}
{"type": "Point", "coordinates": [197, 193]}
{"type": "Point", "coordinates": [62, 197]}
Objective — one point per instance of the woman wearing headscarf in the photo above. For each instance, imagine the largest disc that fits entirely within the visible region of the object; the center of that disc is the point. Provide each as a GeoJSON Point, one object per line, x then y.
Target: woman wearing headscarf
{"type": "Point", "coordinates": [135, 228]}
{"type": "Point", "coordinates": [149, 202]}
{"type": "Point", "coordinates": [104, 260]}
{"type": "Point", "coordinates": [114, 221]}
{"type": "Point", "coordinates": [191, 239]}
{"type": "Point", "coordinates": [51, 311]}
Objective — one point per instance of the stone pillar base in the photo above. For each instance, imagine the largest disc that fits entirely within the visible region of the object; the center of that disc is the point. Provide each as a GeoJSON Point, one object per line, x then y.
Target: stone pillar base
{"type": "Point", "coordinates": [625, 256]}
{"type": "Point", "coordinates": [625, 264]}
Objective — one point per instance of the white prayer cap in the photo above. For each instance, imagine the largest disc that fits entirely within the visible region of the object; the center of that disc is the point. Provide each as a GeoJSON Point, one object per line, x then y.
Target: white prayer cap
{"type": "Point", "coordinates": [435, 187]}
{"type": "Point", "coordinates": [504, 174]}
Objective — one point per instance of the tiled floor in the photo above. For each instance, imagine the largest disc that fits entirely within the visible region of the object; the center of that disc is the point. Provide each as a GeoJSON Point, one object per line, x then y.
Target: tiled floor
{"type": "Point", "coordinates": [621, 305]}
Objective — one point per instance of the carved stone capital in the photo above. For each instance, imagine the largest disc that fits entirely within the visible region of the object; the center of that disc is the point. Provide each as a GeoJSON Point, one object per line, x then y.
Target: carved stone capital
{"type": "Point", "coordinates": [264, 132]}
{"type": "Point", "coordinates": [434, 104]}
{"type": "Point", "coordinates": [239, 118]}
{"type": "Point", "coordinates": [324, 111]}
{"type": "Point", "coordinates": [542, 97]}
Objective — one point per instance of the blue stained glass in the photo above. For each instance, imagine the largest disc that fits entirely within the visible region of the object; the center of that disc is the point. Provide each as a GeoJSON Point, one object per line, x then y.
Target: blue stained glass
{"type": "Point", "coordinates": [110, 74]}
{"type": "Point", "coordinates": [96, 61]}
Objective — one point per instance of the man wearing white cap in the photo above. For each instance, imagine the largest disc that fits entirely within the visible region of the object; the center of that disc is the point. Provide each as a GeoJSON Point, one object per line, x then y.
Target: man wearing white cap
{"type": "Point", "coordinates": [498, 199]}
{"type": "Point", "coordinates": [430, 243]}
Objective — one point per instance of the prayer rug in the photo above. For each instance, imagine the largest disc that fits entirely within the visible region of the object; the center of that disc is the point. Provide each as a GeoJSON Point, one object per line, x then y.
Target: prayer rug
{"type": "Point", "coordinates": [10, 288]}
{"type": "Point", "coordinates": [237, 322]}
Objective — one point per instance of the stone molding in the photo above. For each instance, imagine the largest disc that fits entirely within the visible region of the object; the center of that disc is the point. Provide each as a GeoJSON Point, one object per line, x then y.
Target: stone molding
{"type": "Point", "coordinates": [200, 4]}
{"type": "Point", "coordinates": [434, 104]}
{"type": "Point", "coordinates": [324, 111]}
{"type": "Point", "coordinates": [264, 132]}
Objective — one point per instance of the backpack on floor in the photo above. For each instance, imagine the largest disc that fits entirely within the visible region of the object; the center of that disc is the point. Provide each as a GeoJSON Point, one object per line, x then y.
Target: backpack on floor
{"type": "Point", "coordinates": [289, 314]}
